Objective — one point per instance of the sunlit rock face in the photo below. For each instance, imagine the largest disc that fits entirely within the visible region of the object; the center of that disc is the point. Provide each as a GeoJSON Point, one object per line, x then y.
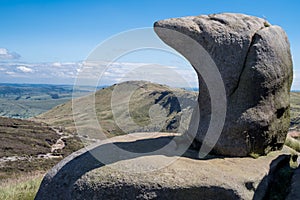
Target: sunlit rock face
{"type": "Point", "coordinates": [254, 60]}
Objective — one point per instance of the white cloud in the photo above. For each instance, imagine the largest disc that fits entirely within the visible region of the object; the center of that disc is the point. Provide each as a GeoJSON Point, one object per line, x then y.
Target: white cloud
{"type": "Point", "coordinates": [57, 64]}
{"type": "Point", "coordinates": [70, 63]}
{"type": "Point", "coordinates": [7, 55]}
{"type": "Point", "coordinates": [25, 69]}
{"type": "Point", "coordinates": [10, 73]}
{"type": "Point", "coordinates": [90, 72]}
{"type": "Point", "coordinates": [118, 72]}
{"type": "Point", "coordinates": [296, 81]}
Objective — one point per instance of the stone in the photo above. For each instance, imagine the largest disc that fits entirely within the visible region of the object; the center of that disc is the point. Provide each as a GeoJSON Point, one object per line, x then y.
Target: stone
{"type": "Point", "coordinates": [254, 60]}
{"type": "Point", "coordinates": [295, 184]}
{"type": "Point", "coordinates": [156, 175]}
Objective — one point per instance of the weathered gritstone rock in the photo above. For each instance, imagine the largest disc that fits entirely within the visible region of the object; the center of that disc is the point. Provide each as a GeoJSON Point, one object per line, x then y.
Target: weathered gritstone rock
{"type": "Point", "coordinates": [295, 192]}
{"type": "Point", "coordinates": [82, 176]}
{"type": "Point", "coordinates": [254, 60]}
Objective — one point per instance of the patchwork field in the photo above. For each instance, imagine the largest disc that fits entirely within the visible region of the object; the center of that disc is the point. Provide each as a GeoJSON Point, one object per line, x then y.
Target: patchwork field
{"type": "Point", "coordinates": [28, 100]}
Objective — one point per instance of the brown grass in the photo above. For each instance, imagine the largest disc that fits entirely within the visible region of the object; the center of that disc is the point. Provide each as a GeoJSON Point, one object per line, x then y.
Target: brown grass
{"type": "Point", "coordinates": [22, 187]}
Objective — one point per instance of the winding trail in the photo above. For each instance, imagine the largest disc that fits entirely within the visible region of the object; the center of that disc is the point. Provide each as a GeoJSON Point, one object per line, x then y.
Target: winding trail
{"type": "Point", "coordinates": [55, 148]}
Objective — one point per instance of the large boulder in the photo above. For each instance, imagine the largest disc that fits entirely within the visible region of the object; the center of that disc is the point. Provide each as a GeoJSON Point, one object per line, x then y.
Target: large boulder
{"type": "Point", "coordinates": [254, 61]}
{"type": "Point", "coordinates": [104, 172]}
{"type": "Point", "coordinates": [295, 184]}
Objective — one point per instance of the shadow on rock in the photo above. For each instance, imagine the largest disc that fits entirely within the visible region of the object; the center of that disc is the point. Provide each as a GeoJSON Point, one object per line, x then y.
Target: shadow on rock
{"type": "Point", "coordinates": [63, 176]}
{"type": "Point", "coordinates": [276, 184]}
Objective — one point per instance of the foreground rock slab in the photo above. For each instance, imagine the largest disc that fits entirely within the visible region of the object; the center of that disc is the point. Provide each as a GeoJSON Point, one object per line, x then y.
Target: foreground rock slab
{"type": "Point", "coordinates": [295, 192]}
{"type": "Point", "coordinates": [254, 60]}
{"type": "Point", "coordinates": [163, 175]}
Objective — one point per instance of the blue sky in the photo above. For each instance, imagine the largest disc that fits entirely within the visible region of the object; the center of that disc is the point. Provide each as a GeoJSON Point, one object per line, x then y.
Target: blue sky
{"type": "Point", "coordinates": [68, 30]}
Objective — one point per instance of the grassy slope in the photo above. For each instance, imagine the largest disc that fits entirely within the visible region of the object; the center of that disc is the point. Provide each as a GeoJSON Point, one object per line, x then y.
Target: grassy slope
{"type": "Point", "coordinates": [141, 101]}
{"type": "Point", "coordinates": [139, 106]}
{"type": "Point", "coordinates": [295, 110]}
{"type": "Point", "coordinates": [20, 179]}
{"type": "Point", "coordinates": [22, 137]}
{"type": "Point", "coordinates": [27, 139]}
{"type": "Point", "coordinates": [21, 188]}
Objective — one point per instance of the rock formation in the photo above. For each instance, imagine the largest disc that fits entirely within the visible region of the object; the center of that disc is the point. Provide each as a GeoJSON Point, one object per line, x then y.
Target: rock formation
{"type": "Point", "coordinates": [295, 184]}
{"type": "Point", "coordinates": [156, 176]}
{"type": "Point", "coordinates": [254, 60]}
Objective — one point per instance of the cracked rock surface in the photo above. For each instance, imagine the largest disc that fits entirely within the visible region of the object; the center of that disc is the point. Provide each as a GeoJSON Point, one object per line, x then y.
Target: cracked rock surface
{"type": "Point", "coordinates": [254, 61]}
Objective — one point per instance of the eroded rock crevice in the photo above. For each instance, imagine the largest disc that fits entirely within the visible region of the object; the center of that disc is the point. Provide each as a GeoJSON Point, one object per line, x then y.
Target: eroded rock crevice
{"type": "Point", "coordinates": [244, 65]}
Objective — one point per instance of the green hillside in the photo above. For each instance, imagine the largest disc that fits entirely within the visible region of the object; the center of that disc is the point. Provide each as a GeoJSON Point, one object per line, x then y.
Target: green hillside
{"type": "Point", "coordinates": [295, 111]}
{"type": "Point", "coordinates": [159, 99]}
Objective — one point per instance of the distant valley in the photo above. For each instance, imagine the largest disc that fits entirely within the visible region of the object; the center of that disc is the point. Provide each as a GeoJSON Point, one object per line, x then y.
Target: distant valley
{"type": "Point", "coordinates": [28, 100]}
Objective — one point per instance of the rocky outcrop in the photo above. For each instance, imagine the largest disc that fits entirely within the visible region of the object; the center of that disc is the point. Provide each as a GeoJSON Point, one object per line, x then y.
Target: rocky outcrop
{"type": "Point", "coordinates": [254, 60]}
{"type": "Point", "coordinates": [295, 184]}
{"type": "Point", "coordinates": [104, 172]}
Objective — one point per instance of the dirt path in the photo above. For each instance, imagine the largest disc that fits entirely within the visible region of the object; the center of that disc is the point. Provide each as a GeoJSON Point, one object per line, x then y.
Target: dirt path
{"type": "Point", "coordinates": [15, 158]}
{"type": "Point", "coordinates": [55, 148]}
{"type": "Point", "coordinates": [58, 146]}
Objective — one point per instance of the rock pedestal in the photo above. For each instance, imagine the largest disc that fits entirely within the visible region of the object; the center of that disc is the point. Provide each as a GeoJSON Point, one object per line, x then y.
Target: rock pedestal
{"type": "Point", "coordinates": [156, 176]}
